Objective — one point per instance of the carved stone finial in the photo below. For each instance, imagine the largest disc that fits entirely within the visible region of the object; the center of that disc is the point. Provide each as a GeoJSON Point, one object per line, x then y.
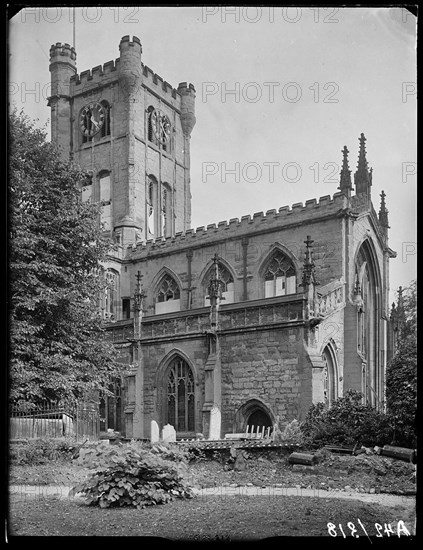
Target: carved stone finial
{"type": "Point", "coordinates": [362, 177]}
{"type": "Point", "coordinates": [345, 184]}
{"type": "Point", "coordinates": [383, 212]}
{"type": "Point", "coordinates": [309, 266]}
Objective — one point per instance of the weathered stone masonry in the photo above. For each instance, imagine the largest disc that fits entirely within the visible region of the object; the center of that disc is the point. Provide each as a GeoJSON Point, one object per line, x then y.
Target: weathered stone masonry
{"type": "Point", "coordinates": [247, 320]}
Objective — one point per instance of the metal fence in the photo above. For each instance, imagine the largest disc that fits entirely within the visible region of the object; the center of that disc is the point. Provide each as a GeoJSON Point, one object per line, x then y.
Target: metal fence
{"type": "Point", "coordinates": [53, 420]}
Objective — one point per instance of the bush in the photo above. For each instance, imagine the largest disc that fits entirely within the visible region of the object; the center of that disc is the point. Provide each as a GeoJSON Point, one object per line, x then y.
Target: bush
{"type": "Point", "coordinates": [347, 422]}
{"type": "Point", "coordinates": [41, 451]}
{"type": "Point", "coordinates": [134, 475]}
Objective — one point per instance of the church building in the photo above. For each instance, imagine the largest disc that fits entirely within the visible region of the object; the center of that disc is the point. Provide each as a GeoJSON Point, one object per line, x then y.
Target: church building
{"type": "Point", "coordinates": [246, 322]}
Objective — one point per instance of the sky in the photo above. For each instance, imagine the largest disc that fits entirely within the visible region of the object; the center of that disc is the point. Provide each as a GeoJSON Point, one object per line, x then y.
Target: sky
{"type": "Point", "coordinates": [279, 92]}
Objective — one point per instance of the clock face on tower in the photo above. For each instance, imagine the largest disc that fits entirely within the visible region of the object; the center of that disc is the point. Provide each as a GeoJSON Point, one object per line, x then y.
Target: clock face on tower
{"type": "Point", "coordinates": [91, 118]}
{"type": "Point", "coordinates": [161, 126]}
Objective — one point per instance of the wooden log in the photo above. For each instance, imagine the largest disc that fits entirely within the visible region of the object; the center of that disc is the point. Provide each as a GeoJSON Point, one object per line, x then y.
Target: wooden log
{"type": "Point", "coordinates": [400, 453]}
{"type": "Point", "coordinates": [302, 458]}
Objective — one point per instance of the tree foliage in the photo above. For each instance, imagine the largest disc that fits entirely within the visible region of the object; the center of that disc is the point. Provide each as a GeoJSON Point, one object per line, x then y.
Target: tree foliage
{"type": "Point", "coordinates": [401, 376]}
{"type": "Point", "coordinates": [347, 422]}
{"type": "Point", "coordinates": [57, 346]}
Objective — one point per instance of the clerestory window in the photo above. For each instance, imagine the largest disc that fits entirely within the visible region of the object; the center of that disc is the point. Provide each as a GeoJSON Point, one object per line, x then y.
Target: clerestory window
{"type": "Point", "coordinates": [168, 297]}
{"type": "Point", "coordinates": [279, 276]}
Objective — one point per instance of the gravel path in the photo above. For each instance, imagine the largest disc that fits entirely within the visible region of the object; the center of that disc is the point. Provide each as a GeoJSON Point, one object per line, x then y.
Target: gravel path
{"type": "Point", "coordinates": [408, 502]}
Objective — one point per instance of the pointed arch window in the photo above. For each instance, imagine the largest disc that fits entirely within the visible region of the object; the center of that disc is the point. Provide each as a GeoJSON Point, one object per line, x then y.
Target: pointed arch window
{"type": "Point", "coordinates": [367, 328]}
{"type": "Point", "coordinates": [111, 408]}
{"type": "Point", "coordinates": [105, 200]}
{"type": "Point", "coordinates": [151, 206]}
{"type": "Point", "coordinates": [279, 276]}
{"type": "Point", "coordinates": [180, 399]}
{"type": "Point", "coordinates": [228, 289]}
{"type": "Point", "coordinates": [105, 129]}
{"type": "Point", "coordinates": [110, 297]}
{"type": "Point", "coordinates": [166, 210]}
{"type": "Point", "coordinates": [168, 297]}
{"type": "Point", "coordinates": [330, 391]}
{"type": "Point", "coordinates": [150, 123]}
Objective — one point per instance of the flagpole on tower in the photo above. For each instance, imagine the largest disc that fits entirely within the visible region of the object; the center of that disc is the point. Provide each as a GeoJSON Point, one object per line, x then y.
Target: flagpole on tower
{"type": "Point", "coordinates": [73, 19]}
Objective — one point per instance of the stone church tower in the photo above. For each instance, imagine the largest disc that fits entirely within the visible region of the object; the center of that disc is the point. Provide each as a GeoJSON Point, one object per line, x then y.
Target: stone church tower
{"type": "Point", "coordinates": [242, 323]}
{"type": "Point", "coordinates": [139, 159]}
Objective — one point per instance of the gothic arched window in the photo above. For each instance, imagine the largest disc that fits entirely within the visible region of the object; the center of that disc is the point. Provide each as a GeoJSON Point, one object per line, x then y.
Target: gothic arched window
{"type": "Point", "coordinates": [166, 210]}
{"type": "Point", "coordinates": [279, 276]}
{"type": "Point", "coordinates": [105, 200]}
{"type": "Point", "coordinates": [105, 129]}
{"type": "Point", "coordinates": [329, 376]}
{"type": "Point", "coordinates": [228, 288]}
{"type": "Point", "coordinates": [180, 396]}
{"type": "Point", "coordinates": [367, 327]}
{"type": "Point", "coordinates": [110, 298]}
{"type": "Point", "coordinates": [168, 296]}
{"type": "Point", "coordinates": [151, 205]}
{"type": "Point", "coordinates": [151, 113]}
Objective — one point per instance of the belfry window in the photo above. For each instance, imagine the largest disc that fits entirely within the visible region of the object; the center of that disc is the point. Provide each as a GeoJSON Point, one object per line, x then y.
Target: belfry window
{"type": "Point", "coordinates": [105, 199]}
{"type": "Point", "coordinates": [150, 116]}
{"type": "Point", "coordinates": [166, 211]}
{"type": "Point", "coordinates": [151, 205]}
{"type": "Point", "coordinates": [279, 276]}
{"type": "Point", "coordinates": [180, 396]}
{"type": "Point", "coordinates": [168, 296]}
{"type": "Point", "coordinates": [228, 288]}
{"type": "Point", "coordinates": [105, 129]}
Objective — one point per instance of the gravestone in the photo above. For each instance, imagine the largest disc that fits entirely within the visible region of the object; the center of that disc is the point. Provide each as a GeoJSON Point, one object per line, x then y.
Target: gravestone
{"type": "Point", "coordinates": [168, 434]}
{"type": "Point", "coordinates": [215, 423]}
{"type": "Point", "coordinates": [154, 432]}
{"type": "Point", "coordinates": [240, 464]}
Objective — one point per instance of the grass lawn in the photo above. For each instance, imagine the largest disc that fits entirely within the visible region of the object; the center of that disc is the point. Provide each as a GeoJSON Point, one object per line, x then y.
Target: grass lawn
{"type": "Point", "coordinates": [215, 518]}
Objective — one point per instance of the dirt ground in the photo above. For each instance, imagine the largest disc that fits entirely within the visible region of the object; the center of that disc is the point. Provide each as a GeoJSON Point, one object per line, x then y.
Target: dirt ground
{"type": "Point", "coordinates": [362, 473]}
{"type": "Point", "coordinates": [223, 518]}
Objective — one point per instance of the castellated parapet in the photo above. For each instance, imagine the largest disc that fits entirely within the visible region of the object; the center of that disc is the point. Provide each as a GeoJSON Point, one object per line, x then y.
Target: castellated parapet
{"type": "Point", "coordinates": [129, 69]}
{"type": "Point", "coordinates": [62, 68]}
{"type": "Point", "coordinates": [130, 64]}
{"type": "Point", "coordinates": [272, 220]}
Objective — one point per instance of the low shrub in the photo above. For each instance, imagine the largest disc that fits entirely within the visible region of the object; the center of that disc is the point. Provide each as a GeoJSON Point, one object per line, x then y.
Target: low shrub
{"type": "Point", "coordinates": [41, 451]}
{"type": "Point", "coordinates": [134, 475]}
{"type": "Point", "coordinates": [347, 422]}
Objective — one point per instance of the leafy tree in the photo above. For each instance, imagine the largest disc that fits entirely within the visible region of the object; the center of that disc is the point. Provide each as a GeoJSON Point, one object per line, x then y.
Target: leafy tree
{"type": "Point", "coordinates": [57, 345]}
{"type": "Point", "coordinates": [401, 376]}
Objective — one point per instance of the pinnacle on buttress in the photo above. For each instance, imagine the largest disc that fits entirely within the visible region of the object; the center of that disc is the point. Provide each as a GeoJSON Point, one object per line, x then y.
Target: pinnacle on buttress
{"type": "Point", "coordinates": [309, 265]}
{"type": "Point", "coordinates": [363, 176]}
{"type": "Point", "coordinates": [345, 184]}
{"type": "Point", "coordinates": [383, 212]}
